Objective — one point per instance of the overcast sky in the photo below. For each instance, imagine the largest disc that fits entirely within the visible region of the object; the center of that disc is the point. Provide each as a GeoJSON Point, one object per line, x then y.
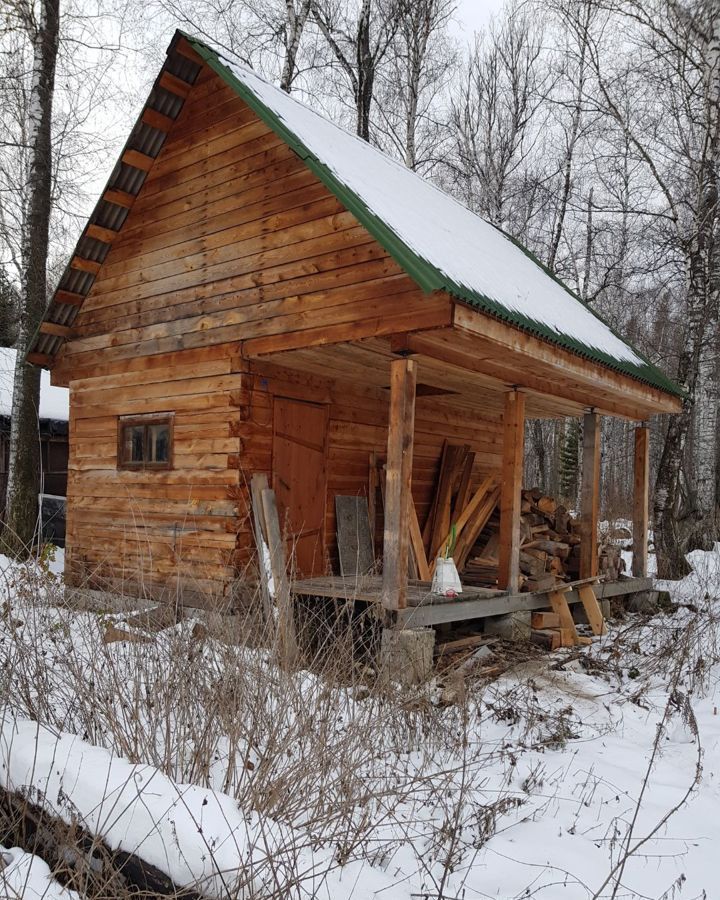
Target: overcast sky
{"type": "Point", "coordinates": [474, 14]}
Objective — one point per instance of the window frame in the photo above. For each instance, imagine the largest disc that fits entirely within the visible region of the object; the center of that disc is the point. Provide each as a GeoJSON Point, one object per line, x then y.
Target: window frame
{"type": "Point", "coordinates": [146, 421]}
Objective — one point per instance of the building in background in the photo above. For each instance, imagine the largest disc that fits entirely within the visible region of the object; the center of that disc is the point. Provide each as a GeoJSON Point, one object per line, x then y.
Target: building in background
{"type": "Point", "coordinates": [53, 414]}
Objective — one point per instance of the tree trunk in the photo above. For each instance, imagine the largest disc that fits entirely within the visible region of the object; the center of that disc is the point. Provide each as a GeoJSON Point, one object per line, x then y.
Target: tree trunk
{"type": "Point", "coordinates": [365, 73]}
{"type": "Point", "coordinates": [24, 465]}
{"type": "Point", "coordinates": [294, 26]}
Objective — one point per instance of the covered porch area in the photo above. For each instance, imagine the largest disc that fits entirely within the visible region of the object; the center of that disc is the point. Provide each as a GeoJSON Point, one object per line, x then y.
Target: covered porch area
{"type": "Point", "coordinates": [503, 376]}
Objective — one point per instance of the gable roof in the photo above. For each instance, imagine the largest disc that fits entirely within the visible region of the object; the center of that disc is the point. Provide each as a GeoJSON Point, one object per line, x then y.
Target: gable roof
{"type": "Point", "coordinates": [440, 243]}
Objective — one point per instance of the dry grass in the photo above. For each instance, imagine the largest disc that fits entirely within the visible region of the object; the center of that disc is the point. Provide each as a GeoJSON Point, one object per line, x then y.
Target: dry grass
{"type": "Point", "coordinates": [348, 765]}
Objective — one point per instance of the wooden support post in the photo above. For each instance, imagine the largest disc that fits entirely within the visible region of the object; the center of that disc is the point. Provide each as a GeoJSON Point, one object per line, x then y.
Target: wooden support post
{"type": "Point", "coordinates": [511, 490]}
{"type": "Point", "coordinates": [590, 496]}
{"type": "Point", "coordinates": [641, 501]}
{"type": "Point", "coordinates": [401, 427]}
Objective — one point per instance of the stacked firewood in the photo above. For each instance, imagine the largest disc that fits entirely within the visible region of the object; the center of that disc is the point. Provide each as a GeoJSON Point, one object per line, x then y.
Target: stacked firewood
{"type": "Point", "coordinates": [549, 549]}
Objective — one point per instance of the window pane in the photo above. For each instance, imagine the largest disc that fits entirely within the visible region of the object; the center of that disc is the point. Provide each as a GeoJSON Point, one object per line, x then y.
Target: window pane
{"type": "Point", "coordinates": [159, 443]}
{"type": "Point", "coordinates": [133, 443]}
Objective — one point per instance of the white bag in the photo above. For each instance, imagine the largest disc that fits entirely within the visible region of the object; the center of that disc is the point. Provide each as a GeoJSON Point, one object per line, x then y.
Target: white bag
{"type": "Point", "coordinates": [445, 578]}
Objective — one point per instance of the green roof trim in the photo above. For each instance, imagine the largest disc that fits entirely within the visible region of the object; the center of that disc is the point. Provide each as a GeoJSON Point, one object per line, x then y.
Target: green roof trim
{"type": "Point", "coordinates": [425, 274]}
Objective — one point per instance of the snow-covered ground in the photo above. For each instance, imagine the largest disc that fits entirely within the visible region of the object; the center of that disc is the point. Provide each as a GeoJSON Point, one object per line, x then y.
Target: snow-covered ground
{"type": "Point", "coordinates": [574, 775]}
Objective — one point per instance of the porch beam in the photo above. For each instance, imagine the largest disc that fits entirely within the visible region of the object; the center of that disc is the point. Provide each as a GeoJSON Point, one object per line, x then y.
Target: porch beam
{"type": "Point", "coordinates": [401, 428]}
{"type": "Point", "coordinates": [590, 496]}
{"type": "Point", "coordinates": [641, 501]}
{"type": "Point", "coordinates": [453, 348]}
{"type": "Point", "coordinates": [511, 490]}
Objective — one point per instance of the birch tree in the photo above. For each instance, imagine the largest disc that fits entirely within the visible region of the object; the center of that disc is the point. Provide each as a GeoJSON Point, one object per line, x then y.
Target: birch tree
{"type": "Point", "coordinates": [673, 126]}
{"type": "Point", "coordinates": [358, 39]}
{"type": "Point", "coordinates": [410, 103]}
{"type": "Point", "coordinates": [265, 34]}
{"type": "Point", "coordinates": [40, 23]}
{"type": "Point", "coordinates": [495, 115]}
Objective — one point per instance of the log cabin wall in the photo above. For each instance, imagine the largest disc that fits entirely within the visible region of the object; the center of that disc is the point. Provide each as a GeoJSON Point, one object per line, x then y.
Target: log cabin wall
{"type": "Point", "coordinates": [135, 531]}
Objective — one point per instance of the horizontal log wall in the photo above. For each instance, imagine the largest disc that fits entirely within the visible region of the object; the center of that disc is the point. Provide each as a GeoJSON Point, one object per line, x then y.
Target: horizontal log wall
{"type": "Point", "coordinates": [162, 533]}
{"type": "Point", "coordinates": [233, 238]}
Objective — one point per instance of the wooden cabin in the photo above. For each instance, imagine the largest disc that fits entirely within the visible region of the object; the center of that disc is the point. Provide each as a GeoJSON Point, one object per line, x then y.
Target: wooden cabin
{"type": "Point", "coordinates": [259, 291]}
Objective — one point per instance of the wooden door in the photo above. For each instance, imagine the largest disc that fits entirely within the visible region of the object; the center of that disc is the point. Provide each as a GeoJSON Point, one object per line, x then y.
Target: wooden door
{"type": "Point", "coordinates": [299, 480]}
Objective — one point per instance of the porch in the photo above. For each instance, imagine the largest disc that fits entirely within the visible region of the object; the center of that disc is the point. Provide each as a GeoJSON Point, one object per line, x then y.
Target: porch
{"type": "Point", "coordinates": [425, 609]}
{"type": "Point", "coordinates": [502, 377]}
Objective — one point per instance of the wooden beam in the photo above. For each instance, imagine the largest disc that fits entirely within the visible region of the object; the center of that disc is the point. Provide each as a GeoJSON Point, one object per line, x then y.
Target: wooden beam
{"type": "Point", "coordinates": [85, 265]}
{"type": "Point", "coordinates": [169, 82]}
{"type": "Point", "coordinates": [63, 331]}
{"type": "Point", "coordinates": [118, 197]}
{"type": "Point", "coordinates": [641, 501]}
{"type": "Point", "coordinates": [138, 160]}
{"type": "Point", "coordinates": [185, 49]}
{"type": "Point", "coordinates": [155, 119]}
{"type": "Point", "coordinates": [571, 365]}
{"type": "Point", "coordinates": [98, 233]}
{"type": "Point", "coordinates": [511, 490]}
{"type": "Point", "coordinates": [590, 496]}
{"type": "Point", "coordinates": [401, 427]}
{"type": "Point", "coordinates": [456, 349]}
{"type": "Point", "coordinates": [434, 314]}
{"type": "Point", "coordinates": [39, 359]}
{"type": "Point", "coordinates": [69, 298]}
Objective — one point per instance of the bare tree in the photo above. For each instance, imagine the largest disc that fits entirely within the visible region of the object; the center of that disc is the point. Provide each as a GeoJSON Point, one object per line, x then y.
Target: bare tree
{"type": "Point", "coordinates": [265, 34]}
{"type": "Point", "coordinates": [410, 105]}
{"type": "Point", "coordinates": [41, 25]}
{"type": "Point", "coordinates": [358, 39]}
{"type": "Point", "coordinates": [495, 115]}
{"type": "Point", "coordinates": [673, 126]}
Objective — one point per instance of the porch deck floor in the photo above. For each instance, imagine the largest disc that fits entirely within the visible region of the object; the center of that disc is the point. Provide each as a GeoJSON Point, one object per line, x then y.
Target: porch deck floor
{"type": "Point", "coordinates": [369, 588]}
{"type": "Point", "coordinates": [425, 608]}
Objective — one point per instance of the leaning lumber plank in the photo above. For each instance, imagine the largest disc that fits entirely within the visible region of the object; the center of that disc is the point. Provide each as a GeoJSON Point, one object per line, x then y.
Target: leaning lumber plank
{"type": "Point", "coordinates": [468, 513]}
{"type": "Point", "coordinates": [416, 543]}
{"type": "Point", "coordinates": [475, 526]}
{"type": "Point", "coordinates": [567, 623]}
{"type": "Point", "coordinates": [259, 483]}
{"type": "Point", "coordinates": [287, 639]}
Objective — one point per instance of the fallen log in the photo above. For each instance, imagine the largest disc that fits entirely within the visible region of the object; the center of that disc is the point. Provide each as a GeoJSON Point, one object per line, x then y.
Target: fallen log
{"type": "Point", "coordinates": [79, 859]}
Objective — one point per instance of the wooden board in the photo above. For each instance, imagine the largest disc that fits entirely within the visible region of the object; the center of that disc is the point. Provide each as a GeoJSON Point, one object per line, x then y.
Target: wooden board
{"type": "Point", "coordinates": [355, 546]}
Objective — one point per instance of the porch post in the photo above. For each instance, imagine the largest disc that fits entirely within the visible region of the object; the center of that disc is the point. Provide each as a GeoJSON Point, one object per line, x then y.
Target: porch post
{"type": "Point", "coordinates": [401, 427]}
{"type": "Point", "coordinates": [641, 494]}
{"type": "Point", "coordinates": [590, 495]}
{"type": "Point", "coordinates": [510, 491]}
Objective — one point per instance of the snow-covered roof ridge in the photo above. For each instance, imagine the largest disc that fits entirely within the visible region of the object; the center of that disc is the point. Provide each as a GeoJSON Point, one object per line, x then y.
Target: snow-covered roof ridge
{"type": "Point", "coordinates": [438, 241]}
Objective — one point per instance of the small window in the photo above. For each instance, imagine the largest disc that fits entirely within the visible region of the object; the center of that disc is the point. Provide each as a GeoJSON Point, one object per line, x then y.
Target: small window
{"type": "Point", "coordinates": [145, 442]}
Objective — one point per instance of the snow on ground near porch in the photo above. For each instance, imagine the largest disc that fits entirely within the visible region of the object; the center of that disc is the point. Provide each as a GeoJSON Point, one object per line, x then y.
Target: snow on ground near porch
{"type": "Point", "coordinates": [54, 401]}
{"type": "Point", "coordinates": [467, 249]}
{"type": "Point", "coordinates": [568, 748]}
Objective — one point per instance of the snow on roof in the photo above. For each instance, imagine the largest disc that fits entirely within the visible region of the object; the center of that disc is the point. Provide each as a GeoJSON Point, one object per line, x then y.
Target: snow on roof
{"type": "Point", "coordinates": [454, 248]}
{"type": "Point", "coordinates": [54, 401]}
